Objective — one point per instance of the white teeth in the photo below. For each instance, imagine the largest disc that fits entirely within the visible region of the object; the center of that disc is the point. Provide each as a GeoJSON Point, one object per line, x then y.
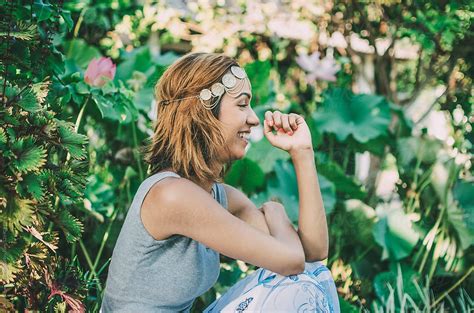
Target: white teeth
{"type": "Point", "coordinates": [244, 135]}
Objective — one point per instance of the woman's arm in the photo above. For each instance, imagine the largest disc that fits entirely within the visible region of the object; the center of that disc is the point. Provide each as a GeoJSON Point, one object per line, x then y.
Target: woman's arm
{"type": "Point", "coordinates": [280, 226]}
{"type": "Point", "coordinates": [198, 216]}
{"type": "Point", "coordinates": [242, 207]}
{"type": "Point", "coordinates": [293, 135]}
{"type": "Point", "coordinates": [312, 226]}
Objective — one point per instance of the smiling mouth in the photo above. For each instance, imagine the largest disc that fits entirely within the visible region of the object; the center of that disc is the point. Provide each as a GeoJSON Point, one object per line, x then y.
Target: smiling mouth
{"type": "Point", "coordinates": [244, 136]}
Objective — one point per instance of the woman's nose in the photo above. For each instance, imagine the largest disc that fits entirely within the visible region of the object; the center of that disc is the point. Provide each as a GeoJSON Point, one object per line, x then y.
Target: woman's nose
{"type": "Point", "coordinates": [253, 119]}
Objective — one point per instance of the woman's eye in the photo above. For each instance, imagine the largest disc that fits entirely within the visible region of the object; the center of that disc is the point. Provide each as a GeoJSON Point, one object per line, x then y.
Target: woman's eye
{"type": "Point", "coordinates": [244, 105]}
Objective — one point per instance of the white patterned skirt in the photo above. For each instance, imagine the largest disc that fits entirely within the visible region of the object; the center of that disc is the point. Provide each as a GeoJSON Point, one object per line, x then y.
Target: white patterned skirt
{"type": "Point", "coordinates": [266, 291]}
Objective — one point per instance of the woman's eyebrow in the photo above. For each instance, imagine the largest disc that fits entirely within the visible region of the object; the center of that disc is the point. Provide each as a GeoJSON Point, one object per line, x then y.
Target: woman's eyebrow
{"type": "Point", "coordinates": [245, 94]}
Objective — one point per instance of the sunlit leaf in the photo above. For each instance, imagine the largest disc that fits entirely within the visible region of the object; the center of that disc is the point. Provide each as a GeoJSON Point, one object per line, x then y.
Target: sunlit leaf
{"type": "Point", "coordinates": [394, 233]}
{"type": "Point", "coordinates": [266, 155]}
{"type": "Point", "coordinates": [285, 188]}
{"type": "Point", "coordinates": [361, 116]}
{"type": "Point", "coordinates": [42, 10]}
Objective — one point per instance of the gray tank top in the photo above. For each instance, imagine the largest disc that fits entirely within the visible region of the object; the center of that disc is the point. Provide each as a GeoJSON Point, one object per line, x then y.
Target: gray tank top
{"type": "Point", "coordinates": [148, 275]}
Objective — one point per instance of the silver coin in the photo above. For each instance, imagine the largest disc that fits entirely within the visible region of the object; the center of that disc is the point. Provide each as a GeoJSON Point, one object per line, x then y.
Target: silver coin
{"type": "Point", "coordinates": [229, 80]}
{"type": "Point", "coordinates": [205, 94]}
{"type": "Point", "coordinates": [238, 72]}
{"type": "Point", "coordinates": [217, 89]}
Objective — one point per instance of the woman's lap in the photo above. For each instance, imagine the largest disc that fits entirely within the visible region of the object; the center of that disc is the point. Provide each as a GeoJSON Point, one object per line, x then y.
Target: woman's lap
{"type": "Point", "coordinates": [266, 291]}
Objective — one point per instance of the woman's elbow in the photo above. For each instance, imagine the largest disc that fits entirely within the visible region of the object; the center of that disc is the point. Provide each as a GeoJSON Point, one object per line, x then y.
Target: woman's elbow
{"type": "Point", "coordinates": [299, 265]}
{"type": "Point", "coordinates": [320, 255]}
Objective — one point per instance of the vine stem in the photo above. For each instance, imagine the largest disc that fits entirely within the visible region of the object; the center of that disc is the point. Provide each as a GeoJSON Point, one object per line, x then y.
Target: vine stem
{"type": "Point", "coordinates": [81, 113]}
{"type": "Point", "coordinates": [453, 286]}
{"type": "Point", "coordinates": [91, 266]}
{"type": "Point", "coordinates": [104, 239]}
{"type": "Point", "coordinates": [77, 27]}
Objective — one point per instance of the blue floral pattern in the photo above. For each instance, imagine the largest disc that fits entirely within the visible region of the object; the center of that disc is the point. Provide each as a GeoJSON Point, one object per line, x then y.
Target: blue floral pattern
{"type": "Point", "coordinates": [266, 291]}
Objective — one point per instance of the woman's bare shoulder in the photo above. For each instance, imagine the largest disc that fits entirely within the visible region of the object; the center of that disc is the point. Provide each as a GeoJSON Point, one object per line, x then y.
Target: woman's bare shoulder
{"type": "Point", "coordinates": [156, 210]}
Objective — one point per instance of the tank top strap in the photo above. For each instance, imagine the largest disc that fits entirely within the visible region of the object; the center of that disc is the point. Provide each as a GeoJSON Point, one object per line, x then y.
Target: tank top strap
{"type": "Point", "coordinates": [221, 196]}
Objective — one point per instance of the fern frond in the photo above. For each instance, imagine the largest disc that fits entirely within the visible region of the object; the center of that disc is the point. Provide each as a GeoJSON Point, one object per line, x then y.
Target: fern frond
{"type": "Point", "coordinates": [32, 184]}
{"type": "Point", "coordinates": [70, 225]}
{"type": "Point", "coordinates": [29, 102]}
{"type": "Point", "coordinates": [72, 141]}
{"type": "Point", "coordinates": [3, 138]}
{"type": "Point", "coordinates": [8, 272]}
{"type": "Point", "coordinates": [29, 157]}
{"type": "Point", "coordinates": [17, 213]}
{"type": "Point", "coordinates": [23, 31]}
{"type": "Point", "coordinates": [41, 90]}
{"type": "Point", "coordinates": [70, 190]}
{"type": "Point", "coordinates": [11, 253]}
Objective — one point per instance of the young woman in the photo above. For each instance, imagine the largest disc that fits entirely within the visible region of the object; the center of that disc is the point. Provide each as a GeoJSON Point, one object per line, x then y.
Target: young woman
{"type": "Point", "coordinates": [183, 216]}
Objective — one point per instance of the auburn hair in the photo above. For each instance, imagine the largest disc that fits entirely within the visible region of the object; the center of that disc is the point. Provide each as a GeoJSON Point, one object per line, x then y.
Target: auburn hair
{"type": "Point", "coordinates": [187, 137]}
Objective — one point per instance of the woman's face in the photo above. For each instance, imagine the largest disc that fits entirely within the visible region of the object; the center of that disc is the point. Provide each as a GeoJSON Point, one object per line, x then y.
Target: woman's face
{"type": "Point", "coordinates": [237, 118]}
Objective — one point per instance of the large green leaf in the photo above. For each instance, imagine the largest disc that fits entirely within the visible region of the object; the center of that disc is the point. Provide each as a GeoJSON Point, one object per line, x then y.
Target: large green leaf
{"type": "Point", "coordinates": [79, 51]}
{"type": "Point", "coordinates": [136, 60]}
{"type": "Point", "coordinates": [42, 10]}
{"type": "Point", "coordinates": [106, 107]}
{"type": "Point", "coordinates": [144, 98]}
{"type": "Point", "coordinates": [246, 174]}
{"type": "Point", "coordinates": [394, 233]}
{"type": "Point", "coordinates": [343, 182]}
{"type": "Point", "coordinates": [266, 155]}
{"type": "Point", "coordinates": [413, 148]}
{"type": "Point", "coordinates": [285, 187]}
{"type": "Point", "coordinates": [362, 116]}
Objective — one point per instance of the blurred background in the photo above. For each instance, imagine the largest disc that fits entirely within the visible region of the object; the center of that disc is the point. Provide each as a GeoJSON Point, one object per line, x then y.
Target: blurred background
{"type": "Point", "coordinates": [385, 86]}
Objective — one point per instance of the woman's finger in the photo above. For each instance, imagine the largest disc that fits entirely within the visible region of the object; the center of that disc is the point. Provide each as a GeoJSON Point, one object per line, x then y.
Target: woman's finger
{"type": "Point", "coordinates": [286, 123]}
{"type": "Point", "coordinates": [267, 131]}
{"type": "Point", "coordinates": [292, 119]}
{"type": "Point", "coordinates": [269, 118]}
{"type": "Point", "coordinates": [277, 120]}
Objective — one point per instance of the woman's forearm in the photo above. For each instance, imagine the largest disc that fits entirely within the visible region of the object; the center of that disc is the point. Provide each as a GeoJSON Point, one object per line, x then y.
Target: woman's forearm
{"type": "Point", "coordinates": [312, 226]}
{"type": "Point", "coordinates": [282, 229]}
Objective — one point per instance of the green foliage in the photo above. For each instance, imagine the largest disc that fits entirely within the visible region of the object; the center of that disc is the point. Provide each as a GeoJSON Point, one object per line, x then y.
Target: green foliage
{"type": "Point", "coordinates": [259, 74]}
{"type": "Point", "coordinates": [40, 183]}
{"type": "Point", "coordinates": [27, 156]}
{"type": "Point", "coordinates": [362, 116]}
{"type": "Point", "coordinates": [43, 158]}
{"type": "Point", "coordinates": [394, 232]}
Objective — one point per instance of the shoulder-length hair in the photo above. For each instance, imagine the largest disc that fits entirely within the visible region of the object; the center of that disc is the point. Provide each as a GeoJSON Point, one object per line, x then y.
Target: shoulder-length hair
{"type": "Point", "coordinates": [187, 137]}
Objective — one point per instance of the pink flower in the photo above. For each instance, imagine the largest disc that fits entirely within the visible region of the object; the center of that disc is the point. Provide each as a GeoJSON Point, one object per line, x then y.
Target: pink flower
{"type": "Point", "coordinates": [99, 71]}
{"type": "Point", "coordinates": [324, 69]}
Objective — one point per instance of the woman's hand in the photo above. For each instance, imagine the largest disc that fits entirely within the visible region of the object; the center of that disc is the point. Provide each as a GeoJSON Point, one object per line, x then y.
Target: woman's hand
{"type": "Point", "coordinates": [292, 132]}
{"type": "Point", "coordinates": [274, 212]}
